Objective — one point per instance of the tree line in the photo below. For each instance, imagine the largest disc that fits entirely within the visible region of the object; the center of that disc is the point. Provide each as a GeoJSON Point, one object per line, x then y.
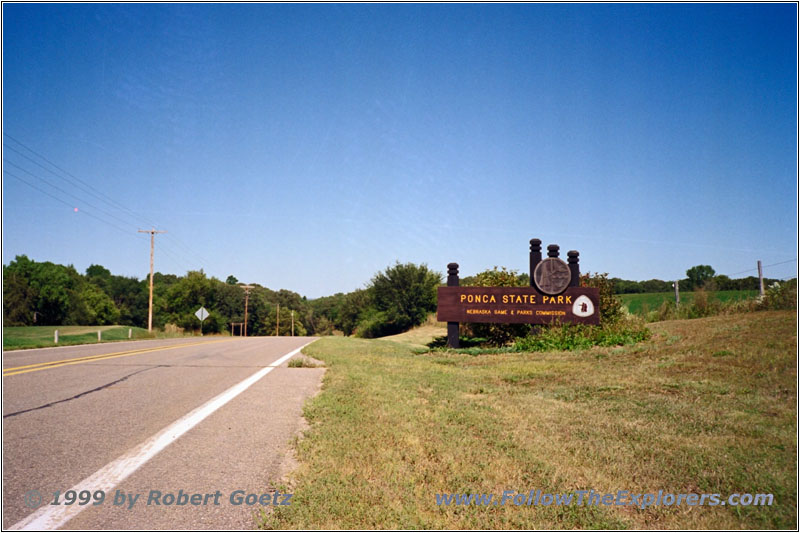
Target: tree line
{"type": "Point", "coordinates": [395, 299]}
{"type": "Point", "coordinates": [697, 277]}
{"type": "Point", "coordinates": [45, 293]}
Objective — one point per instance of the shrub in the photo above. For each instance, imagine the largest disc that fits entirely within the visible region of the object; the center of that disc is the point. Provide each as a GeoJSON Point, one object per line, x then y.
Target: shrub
{"type": "Point", "coordinates": [497, 334]}
{"type": "Point", "coordinates": [373, 324]}
{"type": "Point", "coordinates": [172, 328]}
{"type": "Point", "coordinates": [667, 311]}
{"type": "Point", "coordinates": [629, 330]}
{"type": "Point", "coordinates": [353, 305]}
{"type": "Point", "coordinates": [703, 306]}
{"type": "Point", "coordinates": [301, 362]}
{"type": "Point", "coordinates": [406, 294]}
{"type": "Point", "coordinates": [780, 296]}
{"type": "Point", "coordinates": [777, 296]}
{"type": "Point", "coordinates": [611, 309]}
{"type": "Point", "coordinates": [616, 326]}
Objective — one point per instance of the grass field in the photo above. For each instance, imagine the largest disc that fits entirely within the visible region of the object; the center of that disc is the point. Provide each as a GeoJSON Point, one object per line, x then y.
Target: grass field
{"type": "Point", "coordinates": [15, 338]}
{"type": "Point", "coordinates": [653, 300]}
{"type": "Point", "coordinates": [705, 406]}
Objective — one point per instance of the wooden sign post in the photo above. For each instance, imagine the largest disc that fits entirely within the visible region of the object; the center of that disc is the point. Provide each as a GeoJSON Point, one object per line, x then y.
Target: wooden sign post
{"type": "Point", "coordinates": [554, 297]}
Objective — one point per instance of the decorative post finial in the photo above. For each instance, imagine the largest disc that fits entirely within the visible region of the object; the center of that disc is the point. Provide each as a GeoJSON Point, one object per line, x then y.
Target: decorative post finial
{"type": "Point", "coordinates": [574, 269]}
{"type": "Point", "coordinates": [535, 256]}
{"type": "Point", "coordinates": [452, 275]}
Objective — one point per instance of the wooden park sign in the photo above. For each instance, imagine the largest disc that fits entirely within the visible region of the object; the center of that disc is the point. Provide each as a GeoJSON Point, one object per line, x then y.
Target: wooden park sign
{"type": "Point", "coordinates": [555, 296]}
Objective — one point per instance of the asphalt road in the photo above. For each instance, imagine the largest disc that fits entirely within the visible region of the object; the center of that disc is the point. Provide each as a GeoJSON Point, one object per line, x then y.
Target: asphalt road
{"type": "Point", "coordinates": [71, 414]}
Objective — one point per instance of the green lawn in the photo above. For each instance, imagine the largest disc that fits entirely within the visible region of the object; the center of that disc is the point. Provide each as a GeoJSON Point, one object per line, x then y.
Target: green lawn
{"type": "Point", "coordinates": [705, 406]}
{"type": "Point", "coordinates": [651, 301]}
{"type": "Point", "coordinates": [42, 336]}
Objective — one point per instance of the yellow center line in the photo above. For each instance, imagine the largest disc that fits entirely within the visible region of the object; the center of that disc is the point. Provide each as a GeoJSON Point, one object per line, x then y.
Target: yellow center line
{"type": "Point", "coordinates": [89, 358]}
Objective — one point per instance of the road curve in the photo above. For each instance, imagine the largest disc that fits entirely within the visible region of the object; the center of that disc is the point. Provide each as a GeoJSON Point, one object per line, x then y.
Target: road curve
{"type": "Point", "coordinates": [70, 412]}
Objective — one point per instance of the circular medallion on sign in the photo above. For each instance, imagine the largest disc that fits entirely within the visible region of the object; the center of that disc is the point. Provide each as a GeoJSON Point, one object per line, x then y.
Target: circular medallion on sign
{"type": "Point", "coordinates": [583, 306]}
{"type": "Point", "coordinates": [552, 275]}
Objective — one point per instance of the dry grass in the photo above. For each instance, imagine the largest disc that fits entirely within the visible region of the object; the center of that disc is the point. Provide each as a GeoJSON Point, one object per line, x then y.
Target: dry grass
{"type": "Point", "coordinates": [706, 406]}
{"type": "Point", "coordinates": [420, 336]}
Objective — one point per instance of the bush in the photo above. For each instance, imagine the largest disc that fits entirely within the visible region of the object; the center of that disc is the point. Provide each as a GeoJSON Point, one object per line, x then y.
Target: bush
{"type": "Point", "coordinates": [353, 305]}
{"type": "Point", "coordinates": [497, 334]}
{"type": "Point", "coordinates": [373, 324]}
{"type": "Point", "coordinates": [616, 326]}
{"type": "Point", "coordinates": [404, 294]}
{"type": "Point", "coordinates": [703, 306]}
{"type": "Point", "coordinates": [780, 296]}
{"type": "Point", "coordinates": [579, 337]}
{"type": "Point", "coordinates": [611, 309]}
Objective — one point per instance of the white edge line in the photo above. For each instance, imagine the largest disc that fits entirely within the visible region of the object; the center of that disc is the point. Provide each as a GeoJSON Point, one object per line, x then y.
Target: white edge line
{"type": "Point", "coordinates": [51, 517]}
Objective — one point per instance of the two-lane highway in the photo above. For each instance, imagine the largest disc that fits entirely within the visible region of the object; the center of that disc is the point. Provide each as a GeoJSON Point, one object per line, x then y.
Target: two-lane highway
{"type": "Point", "coordinates": [197, 415]}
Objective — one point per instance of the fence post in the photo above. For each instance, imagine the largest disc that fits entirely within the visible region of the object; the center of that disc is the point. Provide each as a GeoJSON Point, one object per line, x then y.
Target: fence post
{"type": "Point", "coordinates": [452, 327]}
{"type": "Point", "coordinates": [98, 335]}
{"type": "Point", "coordinates": [55, 338]}
{"type": "Point", "coordinates": [130, 332]}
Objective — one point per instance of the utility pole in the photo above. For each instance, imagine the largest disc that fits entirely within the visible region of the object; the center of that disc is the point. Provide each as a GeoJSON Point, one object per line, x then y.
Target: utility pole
{"type": "Point", "coordinates": [246, 298]}
{"type": "Point", "coordinates": [677, 293]}
{"type": "Point", "coordinates": [292, 323]}
{"type": "Point", "coordinates": [278, 327]}
{"type": "Point", "coordinates": [760, 280]}
{"type": "Point", "coordinates": [152, 233]}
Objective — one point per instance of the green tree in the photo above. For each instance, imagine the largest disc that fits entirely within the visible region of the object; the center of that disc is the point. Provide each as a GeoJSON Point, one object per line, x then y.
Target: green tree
{"type": "Point", "coordinates": [353, 306]}
{"type": "Point", "coordinates": [228, 302]}
{"type": "Point", "coordinates": [232, 280]}
{"type": "Point", "coordinates": [271, 326]}
{"type": "Point", "coordinates": [18, 299]}
{"type": "Point", "coordinates": [327, 308]}
{"type": "Point", "coordinates": [186, 296]}
{"type": "Point", "coordinates": [99, 307]}
{"type": "Point", "coordinates": [130, 295]}
{"type": "Point", "coordinates": [406, 294]}
{"type": "Point", "coordinates": [262, 301]}
{"type": "Point", "coordinates": [99, 276]}
{"type": "Point", "coordinates": [698, 275]}
{"type": "Point", "coordinates": [723, 282]}
{"type": "Point", "coordinates": [51, 291]}
{"type": "Point", "coordinates": [56, 287]}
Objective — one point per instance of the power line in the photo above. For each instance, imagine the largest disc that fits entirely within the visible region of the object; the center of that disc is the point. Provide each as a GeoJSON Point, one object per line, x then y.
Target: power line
{"type": "Point", "coordinates": [181, 248]}
{"type": "Point", "coordinates": [99, 195]}
{"type": "Point", "coordinates": [781, 263]}
{"type": "Point", "coordinates": [186, 250]}
{"type": "Point", "coordinates": [26, 182]}
{"type": "Point", "coordinates": [172, 257]}
{"type": "Point", "coordinates": [767, 266]}
{"type": "Point", "coordinates": [175, 260]}
{"type": "Point", "coordinates": [6, 161]}
{"type": "Point", "coordinates": [53, 173]}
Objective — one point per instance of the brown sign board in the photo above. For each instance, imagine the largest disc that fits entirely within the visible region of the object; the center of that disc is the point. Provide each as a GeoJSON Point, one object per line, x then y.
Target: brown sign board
{"type": "Point", "coordinates": [518, 305]}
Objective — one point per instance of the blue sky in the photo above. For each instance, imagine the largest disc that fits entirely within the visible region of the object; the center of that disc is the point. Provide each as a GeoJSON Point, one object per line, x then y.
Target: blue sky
{"type": "Point", "coordinates": [309, 146]}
